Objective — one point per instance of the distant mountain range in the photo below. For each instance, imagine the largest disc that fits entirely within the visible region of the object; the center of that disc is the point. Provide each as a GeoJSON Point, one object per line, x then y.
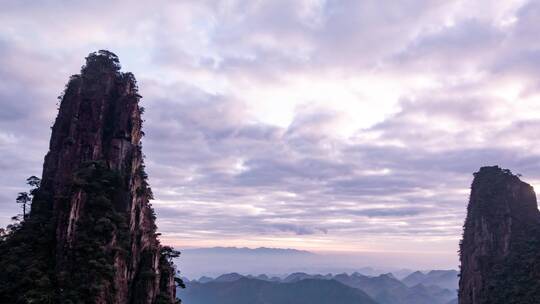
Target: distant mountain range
{"type": "Point", "coordinates": [434, 287]}
{"type": "Point", "coordinates": [442, 278]}
{"type": "Point", "coordinates": [255, 291]}
{"type": "Point", "coordinates": [217, 260]}
{"type": "Point", "coordinates": [214, 261]}
{"type": "Point", "coordinates": [245, 250]}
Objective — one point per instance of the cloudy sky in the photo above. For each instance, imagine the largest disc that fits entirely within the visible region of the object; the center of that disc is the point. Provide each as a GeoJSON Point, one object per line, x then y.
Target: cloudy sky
{"type": "Point", "coordinates": [332, 126]}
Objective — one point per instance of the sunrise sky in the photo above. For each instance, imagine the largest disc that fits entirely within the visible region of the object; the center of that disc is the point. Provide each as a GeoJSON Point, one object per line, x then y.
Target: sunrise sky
{"type": "Point", "coordinates": [331, 126]}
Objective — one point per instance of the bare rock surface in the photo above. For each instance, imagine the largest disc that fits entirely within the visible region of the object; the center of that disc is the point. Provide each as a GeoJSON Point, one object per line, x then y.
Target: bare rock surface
{"type": "Point", "coordinates": [93, 203]}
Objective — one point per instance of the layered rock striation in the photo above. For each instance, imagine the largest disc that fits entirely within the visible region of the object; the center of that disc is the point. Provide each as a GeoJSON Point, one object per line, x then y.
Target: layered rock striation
{"type": "Point", "coordinates": [499, 252]}
{"type": "Point", "coordinates": [93, 201]}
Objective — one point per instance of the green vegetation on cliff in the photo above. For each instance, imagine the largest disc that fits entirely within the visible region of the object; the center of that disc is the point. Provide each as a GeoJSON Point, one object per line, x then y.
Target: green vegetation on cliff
{"type": "Point", "coordinates": [90, 236]}
{"type": "Point", "coordinates": [500, 250]}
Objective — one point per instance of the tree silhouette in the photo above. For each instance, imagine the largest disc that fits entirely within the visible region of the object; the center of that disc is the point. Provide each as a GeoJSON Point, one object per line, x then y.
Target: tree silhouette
{"type": "Point", "coordinates": [23, 198]}
{"type": "Point", "coordinates": [34, 182]}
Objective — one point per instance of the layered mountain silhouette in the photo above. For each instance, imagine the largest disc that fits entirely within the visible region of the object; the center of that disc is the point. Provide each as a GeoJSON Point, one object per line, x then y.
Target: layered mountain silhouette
{"type": "Point", "coordinates": [442, 278]}
{"type": "Point", "coordinates": [254, 291]}
{"type": "Point", "coordinates": [382, 289]}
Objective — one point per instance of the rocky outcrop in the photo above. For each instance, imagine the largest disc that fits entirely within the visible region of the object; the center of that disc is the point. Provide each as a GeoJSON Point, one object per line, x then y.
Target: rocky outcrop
{"type": "Point", "coordinates": [95, 197]}
{"type": "Point", "coordinates": [501, 240]}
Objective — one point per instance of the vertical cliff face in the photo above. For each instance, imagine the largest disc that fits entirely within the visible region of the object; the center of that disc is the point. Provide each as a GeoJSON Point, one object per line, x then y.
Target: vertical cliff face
{"type": "Point", "coordinates": [95, 198]}
{"type": "Point", "coordinates": [499, 250]}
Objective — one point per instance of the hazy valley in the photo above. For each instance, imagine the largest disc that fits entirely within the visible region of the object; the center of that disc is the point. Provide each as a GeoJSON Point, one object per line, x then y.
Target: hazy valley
{"type": "Point", "coordinates": [432, 287]}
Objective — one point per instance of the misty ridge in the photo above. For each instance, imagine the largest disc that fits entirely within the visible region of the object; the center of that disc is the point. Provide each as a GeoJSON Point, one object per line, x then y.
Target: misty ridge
{"type": "Point", "coordinates": [275, 275]}
{"type": "Point", "coordinates": [214, 261]}
{"type": "Point", "coordinates": [436, 286]}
